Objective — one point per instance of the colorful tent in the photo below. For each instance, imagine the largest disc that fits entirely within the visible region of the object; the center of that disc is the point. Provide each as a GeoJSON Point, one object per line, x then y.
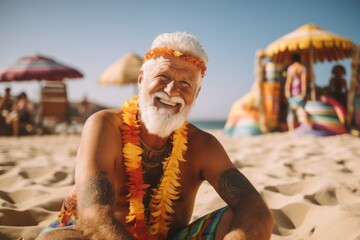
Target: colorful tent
{"type": "Point", "coordinates": [243, 119]}
{"type": "Point", "coordinates": [314, 44]}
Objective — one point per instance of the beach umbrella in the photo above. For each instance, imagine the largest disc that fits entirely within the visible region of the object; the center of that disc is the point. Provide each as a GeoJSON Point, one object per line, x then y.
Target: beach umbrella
{"type": "Point", "coordinates": [122, 72]}
{"type": "Point", "coordinates": [310, 41]}
{"type": "Point", "coordinates": [38, 67]}
{"type": "Point", "coordinates": [314, 44]}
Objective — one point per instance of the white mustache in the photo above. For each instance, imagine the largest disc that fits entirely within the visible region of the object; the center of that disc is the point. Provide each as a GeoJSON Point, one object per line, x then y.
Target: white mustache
{"type": "Point", "coordinates": [177, 100]}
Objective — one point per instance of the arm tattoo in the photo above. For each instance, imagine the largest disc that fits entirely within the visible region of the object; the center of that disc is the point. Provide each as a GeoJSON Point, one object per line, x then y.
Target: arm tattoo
{"type": "Point", "coordinates": [98, 190]}
{"type": "Point", "coordinates": [233, 186]}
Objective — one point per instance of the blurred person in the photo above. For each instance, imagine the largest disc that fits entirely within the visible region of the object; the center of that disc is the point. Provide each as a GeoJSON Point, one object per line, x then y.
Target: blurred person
{"type": "Point", "coordinates": [6, 102]}
{"type": "Point", "coordinates": [354, 110]}
{"type": "Point", "coordinates": [337, 84]}
{"type": "Point", "coordinates": [21, 113]}
{"type": "Point", "coordinates": [138, 169]}
{"type": "Point", "coordinates": [295, 92]}
{"type": "Point", "coordinates": [84, 107]}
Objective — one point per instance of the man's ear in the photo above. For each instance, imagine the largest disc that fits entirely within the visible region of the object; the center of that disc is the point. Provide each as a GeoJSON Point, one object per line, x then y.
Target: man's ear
{"type": "Point", "coordinates": [198, 91]}
{"type": "Point", "coordinates": [140, 76]}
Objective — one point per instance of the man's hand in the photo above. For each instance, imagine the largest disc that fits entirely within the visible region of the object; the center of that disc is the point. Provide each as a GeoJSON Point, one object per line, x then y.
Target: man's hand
{"type": "Point", "coordinates": [236, 235]}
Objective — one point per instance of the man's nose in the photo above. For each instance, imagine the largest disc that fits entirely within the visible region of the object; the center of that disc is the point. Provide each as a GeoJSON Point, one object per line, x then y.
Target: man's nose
{"type": "Point", "coordinates": [171, 88]}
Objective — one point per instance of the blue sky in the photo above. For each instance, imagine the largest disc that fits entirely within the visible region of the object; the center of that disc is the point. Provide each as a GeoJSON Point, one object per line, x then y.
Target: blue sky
{"type": "Point", "coordinates": [91, 35]}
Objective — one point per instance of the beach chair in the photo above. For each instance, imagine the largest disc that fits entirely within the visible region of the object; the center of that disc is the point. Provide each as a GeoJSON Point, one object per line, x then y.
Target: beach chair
{"type": "Point", "coordinates": [54, 106]}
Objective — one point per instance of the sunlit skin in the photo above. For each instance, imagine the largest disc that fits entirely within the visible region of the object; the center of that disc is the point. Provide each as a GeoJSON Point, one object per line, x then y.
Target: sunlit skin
{"type": "Point", "coordinates": [175, 77]}
{"type": "Point", "coordinates": [100, 159]}
{"type": "Point", "coordinates": [299, 68]}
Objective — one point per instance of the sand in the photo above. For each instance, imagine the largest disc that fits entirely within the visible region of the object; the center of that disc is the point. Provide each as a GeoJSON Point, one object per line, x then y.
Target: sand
{"type": "Point", "coordinates": [311, 184]}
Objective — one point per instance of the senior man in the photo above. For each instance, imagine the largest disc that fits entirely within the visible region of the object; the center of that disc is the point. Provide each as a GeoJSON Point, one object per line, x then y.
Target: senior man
{"type": "Point", "coordinates": [138, 168]}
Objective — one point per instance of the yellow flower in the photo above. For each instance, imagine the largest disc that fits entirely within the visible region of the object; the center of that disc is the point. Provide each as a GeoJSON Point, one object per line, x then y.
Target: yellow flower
{"type": "Point", "coordinates": [177, 53]}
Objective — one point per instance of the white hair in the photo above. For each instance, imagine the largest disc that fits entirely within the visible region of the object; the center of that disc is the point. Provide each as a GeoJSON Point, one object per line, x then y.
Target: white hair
{"type": "Point", "coordinates": [181, 41]}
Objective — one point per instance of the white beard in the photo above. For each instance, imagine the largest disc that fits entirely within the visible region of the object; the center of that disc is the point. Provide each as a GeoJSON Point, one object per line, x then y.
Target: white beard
{"type": "Point", "coordinates": [160, 121]}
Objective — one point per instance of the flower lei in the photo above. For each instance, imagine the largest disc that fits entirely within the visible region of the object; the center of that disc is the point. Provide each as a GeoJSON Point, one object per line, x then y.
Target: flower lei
{"type": "Point", "coordinates": [164, 51]}
{"type": "Point", "coordinates": [168, 191]}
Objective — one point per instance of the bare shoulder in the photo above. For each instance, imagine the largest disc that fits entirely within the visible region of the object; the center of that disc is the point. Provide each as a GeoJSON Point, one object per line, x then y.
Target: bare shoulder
{"type": "Point", "coordinates": [104, 117]}
{"type": "Point", "coordinates": [101, 136]}
{"type": "Point", "coordinates": [209, 154]}
{"type": "Point", "coordinates": [201, 139]}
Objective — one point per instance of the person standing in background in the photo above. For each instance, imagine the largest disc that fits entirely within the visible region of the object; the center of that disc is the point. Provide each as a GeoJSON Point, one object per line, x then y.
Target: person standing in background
{"type": "Point", "coordinates": [337, 84]}
{"type": "Point", "coordinates": [295, 91]}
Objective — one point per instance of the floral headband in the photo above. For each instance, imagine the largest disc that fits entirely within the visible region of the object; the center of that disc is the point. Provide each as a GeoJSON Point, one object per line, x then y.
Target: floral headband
{"type": "Point", "coordinates": [164, 51]}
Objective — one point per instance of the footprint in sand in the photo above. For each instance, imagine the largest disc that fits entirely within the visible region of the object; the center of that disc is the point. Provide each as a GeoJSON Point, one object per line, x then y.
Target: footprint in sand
{"type": "Point", "coordinates": [325, 196]}
{"type": "Point", "coordinates": [289, 218]}
{"type": "Point", "coordinates": [30, 217]}
{"type": "Point", "coordinates": [58, 177]}
{"type": "Point", "coordinates": [34, 173]}
{"type": "Point", "coordinates": [7, 199]}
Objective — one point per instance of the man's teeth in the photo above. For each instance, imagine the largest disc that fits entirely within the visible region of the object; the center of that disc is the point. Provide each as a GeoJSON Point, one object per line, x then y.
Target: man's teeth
{"type": "Point", "coordinates": [167, 102]}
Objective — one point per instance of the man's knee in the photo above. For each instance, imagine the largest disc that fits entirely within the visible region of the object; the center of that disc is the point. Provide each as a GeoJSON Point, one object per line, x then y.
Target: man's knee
{"type": "Point", "coordinates": [68, 234]}
{"type": "Point", "coordinates": [224, 225]}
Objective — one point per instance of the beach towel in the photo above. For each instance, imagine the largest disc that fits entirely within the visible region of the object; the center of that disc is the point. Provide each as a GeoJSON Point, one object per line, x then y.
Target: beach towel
{"type": "Point", "coordinates": [325, 118]}
{"type": "Point", "coordinates": [271, 94]}
{"type": "Point", "coordinates": [273, 72]}
{"type": "Point", "coordinates": [243, 118]}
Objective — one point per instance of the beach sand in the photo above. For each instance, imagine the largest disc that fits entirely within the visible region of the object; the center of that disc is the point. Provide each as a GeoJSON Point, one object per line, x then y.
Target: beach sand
{"type": "Point", "coordinates": [311, 184]}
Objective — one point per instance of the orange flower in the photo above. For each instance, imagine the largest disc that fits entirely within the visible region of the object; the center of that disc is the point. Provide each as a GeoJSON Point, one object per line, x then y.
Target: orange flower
{"type": "Point", "coordinates": [164, 51]}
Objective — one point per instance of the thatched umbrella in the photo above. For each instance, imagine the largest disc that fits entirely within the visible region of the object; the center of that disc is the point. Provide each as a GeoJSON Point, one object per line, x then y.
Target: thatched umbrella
{"type": "Point", "coordinates": [122, 72]}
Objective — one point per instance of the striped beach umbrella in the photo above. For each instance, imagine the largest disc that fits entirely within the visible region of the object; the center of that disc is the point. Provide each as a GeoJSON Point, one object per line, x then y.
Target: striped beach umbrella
{"type": "Point", "coordinates": [310, 41]}
{"type": "Point", "coordinates": [37, 67]}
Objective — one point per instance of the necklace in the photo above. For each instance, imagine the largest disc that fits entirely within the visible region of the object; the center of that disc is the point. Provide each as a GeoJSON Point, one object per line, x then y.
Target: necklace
{"type": "Point", "coordinates": [168, 189]}
{"type": "Point", "coordinates": [150, 149]}
{"type": "Point", "coordinates": [153, 172]}
{"type": "Point", "coordinates": [152, 158]}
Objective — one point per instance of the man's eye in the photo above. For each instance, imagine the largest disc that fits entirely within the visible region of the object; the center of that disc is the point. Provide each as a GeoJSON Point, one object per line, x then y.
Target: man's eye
{"type": "Point", "coordinates": [185, 84]}
{"type": "Point", "coordinates": [162, 77]}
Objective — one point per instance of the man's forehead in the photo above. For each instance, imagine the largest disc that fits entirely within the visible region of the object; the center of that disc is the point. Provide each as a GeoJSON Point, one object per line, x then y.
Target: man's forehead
{"type": "Point", "coordinates": [172, 63]}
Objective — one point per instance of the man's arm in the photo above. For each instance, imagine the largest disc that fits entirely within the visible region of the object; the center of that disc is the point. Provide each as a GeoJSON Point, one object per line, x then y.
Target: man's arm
{"type": "Point", "coordinates": [94, 179]}
{"type": "Point", "coordinates": [304, 83]}
{"type": "Point", "coordinates": [287, 85]}
{"type": "Point", "coordinates": [251, 217]}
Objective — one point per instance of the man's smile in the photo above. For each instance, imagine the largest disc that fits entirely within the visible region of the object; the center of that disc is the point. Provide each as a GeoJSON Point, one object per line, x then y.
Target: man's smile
{"type": "Point", "coordinates": [167, 103]}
